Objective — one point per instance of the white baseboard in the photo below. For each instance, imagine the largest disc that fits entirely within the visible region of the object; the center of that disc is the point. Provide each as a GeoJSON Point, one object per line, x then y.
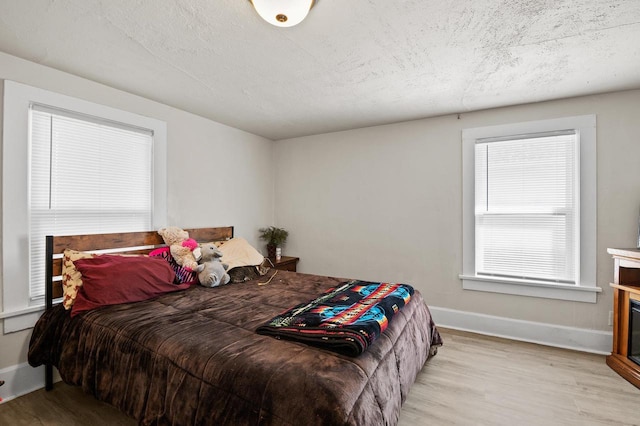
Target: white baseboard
{"type": "Point", "coordinates": [579, 339]}
{"type": "Point", "coordinates": [21, 379]}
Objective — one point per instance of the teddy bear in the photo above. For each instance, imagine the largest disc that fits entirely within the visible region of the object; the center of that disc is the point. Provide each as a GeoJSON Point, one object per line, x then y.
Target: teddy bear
{"type": "Point", "coordinates": [211, 271]}
{"type": "Point", "coordinates": [184, 250]}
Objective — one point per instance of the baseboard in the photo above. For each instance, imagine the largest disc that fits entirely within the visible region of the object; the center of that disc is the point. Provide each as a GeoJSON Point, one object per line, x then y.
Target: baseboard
{"type": "Point", "coordinates": [21, 379]}
{"type": "Point", "coordinates": [579, 339]}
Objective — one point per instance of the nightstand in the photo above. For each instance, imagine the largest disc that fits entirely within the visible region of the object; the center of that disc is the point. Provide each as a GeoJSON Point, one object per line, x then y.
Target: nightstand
{"type": "Point", "coordinates": [286, 263]}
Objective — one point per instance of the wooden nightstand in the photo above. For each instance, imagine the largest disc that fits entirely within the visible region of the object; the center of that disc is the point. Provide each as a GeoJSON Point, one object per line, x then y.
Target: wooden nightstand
{"type": "Point", "coordinates": [286, 263]}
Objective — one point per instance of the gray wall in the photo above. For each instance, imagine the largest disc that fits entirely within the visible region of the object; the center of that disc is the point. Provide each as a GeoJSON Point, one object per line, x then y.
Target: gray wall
{"type": "Point", "coordinates": [380, 203]}
{"type": "Point", "coordinates": [217, 175]}
{"type": "Point", "coordinates": [385, 203]}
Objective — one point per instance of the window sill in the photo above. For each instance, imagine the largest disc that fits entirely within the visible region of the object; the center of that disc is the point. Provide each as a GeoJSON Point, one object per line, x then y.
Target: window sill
{"type": "Point", "coordinates": [21, 319]}
{"type": "Point", "coordinates": [531, 288]}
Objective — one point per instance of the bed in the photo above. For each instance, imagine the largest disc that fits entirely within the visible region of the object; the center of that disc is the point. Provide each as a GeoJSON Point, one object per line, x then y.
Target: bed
{"type": "Point", "coordinates": [194, 357]}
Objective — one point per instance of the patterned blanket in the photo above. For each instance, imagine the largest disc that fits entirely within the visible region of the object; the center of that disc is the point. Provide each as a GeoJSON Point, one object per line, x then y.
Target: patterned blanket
{"type": "Point", "coordinates": [346, 319]}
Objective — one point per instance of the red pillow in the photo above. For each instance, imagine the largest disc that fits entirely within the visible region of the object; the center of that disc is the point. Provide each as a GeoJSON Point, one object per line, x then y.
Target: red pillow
{"type": "Point", "coordinates": [109, 280]}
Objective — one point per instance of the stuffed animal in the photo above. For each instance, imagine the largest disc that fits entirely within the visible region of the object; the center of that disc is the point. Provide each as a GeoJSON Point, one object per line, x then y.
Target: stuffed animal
{"type": "Point", "coordinates": [211, 271]}
{"type": "Point", "coordinates": [184, 250]}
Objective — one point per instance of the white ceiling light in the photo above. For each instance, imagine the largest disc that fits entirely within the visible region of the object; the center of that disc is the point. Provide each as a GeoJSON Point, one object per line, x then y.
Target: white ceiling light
{"type": "Point", "coordinates": [283, 13]}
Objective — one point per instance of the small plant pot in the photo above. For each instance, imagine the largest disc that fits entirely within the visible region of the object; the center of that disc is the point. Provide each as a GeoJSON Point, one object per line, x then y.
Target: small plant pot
{"type": "Point", "coordinates": [271, 251]}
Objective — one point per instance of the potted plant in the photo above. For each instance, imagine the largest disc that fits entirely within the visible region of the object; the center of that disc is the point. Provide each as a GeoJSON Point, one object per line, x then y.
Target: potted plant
{"type": "Point", "coordinates": [275, 237]}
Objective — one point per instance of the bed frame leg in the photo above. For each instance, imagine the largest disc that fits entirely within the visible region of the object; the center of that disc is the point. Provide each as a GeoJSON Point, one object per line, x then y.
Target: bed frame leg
{"type": "Point", "coordinates": [48, 288]}
{"type": "Point", "coordinates": [48, 377]}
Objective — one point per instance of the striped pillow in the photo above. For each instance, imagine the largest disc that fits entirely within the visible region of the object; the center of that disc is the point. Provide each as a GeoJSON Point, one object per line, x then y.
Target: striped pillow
{"type": "Point", "coordinates": [182, 275]}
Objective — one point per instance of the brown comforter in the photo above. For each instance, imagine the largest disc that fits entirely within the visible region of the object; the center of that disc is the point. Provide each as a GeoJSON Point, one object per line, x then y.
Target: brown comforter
{"type": "Point", "coordinates": [193, 358]}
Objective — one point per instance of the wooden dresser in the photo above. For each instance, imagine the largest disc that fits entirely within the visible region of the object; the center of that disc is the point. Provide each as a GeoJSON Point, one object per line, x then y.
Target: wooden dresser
{"type": "Point", "coordinates": [286, 263]}
{"type": "Point", "coordinates": [626, 287]}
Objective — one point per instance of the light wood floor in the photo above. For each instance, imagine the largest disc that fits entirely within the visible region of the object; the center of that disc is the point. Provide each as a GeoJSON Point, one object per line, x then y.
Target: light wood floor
{"type": "Point", "coordinates": [481, 380]}
{"type": "Point", "coordinates": [474, 380]}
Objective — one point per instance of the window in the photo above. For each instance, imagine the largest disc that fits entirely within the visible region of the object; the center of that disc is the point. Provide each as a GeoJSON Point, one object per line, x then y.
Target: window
{"type": "Point", "coordinates": [529, 209]}
{"type": "Point", "coordinates": [71, 166]}
{"type": "Point", "coordinates": [525, 207]}
{"type": "Point", "coordinates": [87, 176]}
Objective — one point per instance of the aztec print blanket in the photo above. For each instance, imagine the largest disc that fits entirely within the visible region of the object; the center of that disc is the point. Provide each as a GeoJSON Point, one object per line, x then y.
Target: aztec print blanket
{"type": "Point", "coordinates": [346, 319]}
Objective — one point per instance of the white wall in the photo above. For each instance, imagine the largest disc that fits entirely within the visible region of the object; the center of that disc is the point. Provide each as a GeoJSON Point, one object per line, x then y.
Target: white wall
{"type": "Point", "coordinates": [385, 203]}
{"type": "Point", "coordinates": [217, 175]}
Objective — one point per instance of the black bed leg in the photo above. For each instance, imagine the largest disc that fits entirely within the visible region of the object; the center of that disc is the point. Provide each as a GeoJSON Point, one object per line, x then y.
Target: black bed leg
{"type": "Point", "coordinates": [48, 288]}
{"type": "Point", "coordinates": [48, 377]}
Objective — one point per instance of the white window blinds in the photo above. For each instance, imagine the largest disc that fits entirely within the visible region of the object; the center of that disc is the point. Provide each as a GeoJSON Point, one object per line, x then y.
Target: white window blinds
{"type": "Point", "coordinates": [526, 207]}
{"type": "Point", "coordinates": [87, 175]}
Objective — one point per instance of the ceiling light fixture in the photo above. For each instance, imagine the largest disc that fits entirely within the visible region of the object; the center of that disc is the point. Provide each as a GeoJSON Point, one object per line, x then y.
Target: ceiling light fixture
{"type": "Point", "coordinates": [283, 13]}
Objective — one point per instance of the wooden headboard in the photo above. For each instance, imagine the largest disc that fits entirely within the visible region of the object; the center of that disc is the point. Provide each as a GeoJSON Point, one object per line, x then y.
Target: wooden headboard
{"type": "Point", "coordinates": [129, 242]}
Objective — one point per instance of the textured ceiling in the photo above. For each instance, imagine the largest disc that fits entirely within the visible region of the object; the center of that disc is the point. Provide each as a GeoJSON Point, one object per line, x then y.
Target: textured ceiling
{"type": "Point", "coordinates": [350, 64]}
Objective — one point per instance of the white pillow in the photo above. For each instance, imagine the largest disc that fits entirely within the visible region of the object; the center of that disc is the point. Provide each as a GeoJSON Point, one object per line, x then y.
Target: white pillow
{"type": "Point", "coordinates": [238, 252]}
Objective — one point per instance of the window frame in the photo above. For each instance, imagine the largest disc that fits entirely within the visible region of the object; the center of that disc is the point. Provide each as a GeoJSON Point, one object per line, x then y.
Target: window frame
{"type": "Point", "coordinates": [19, 312]}
{"type": "Point", "coordinates": [586, 289]}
